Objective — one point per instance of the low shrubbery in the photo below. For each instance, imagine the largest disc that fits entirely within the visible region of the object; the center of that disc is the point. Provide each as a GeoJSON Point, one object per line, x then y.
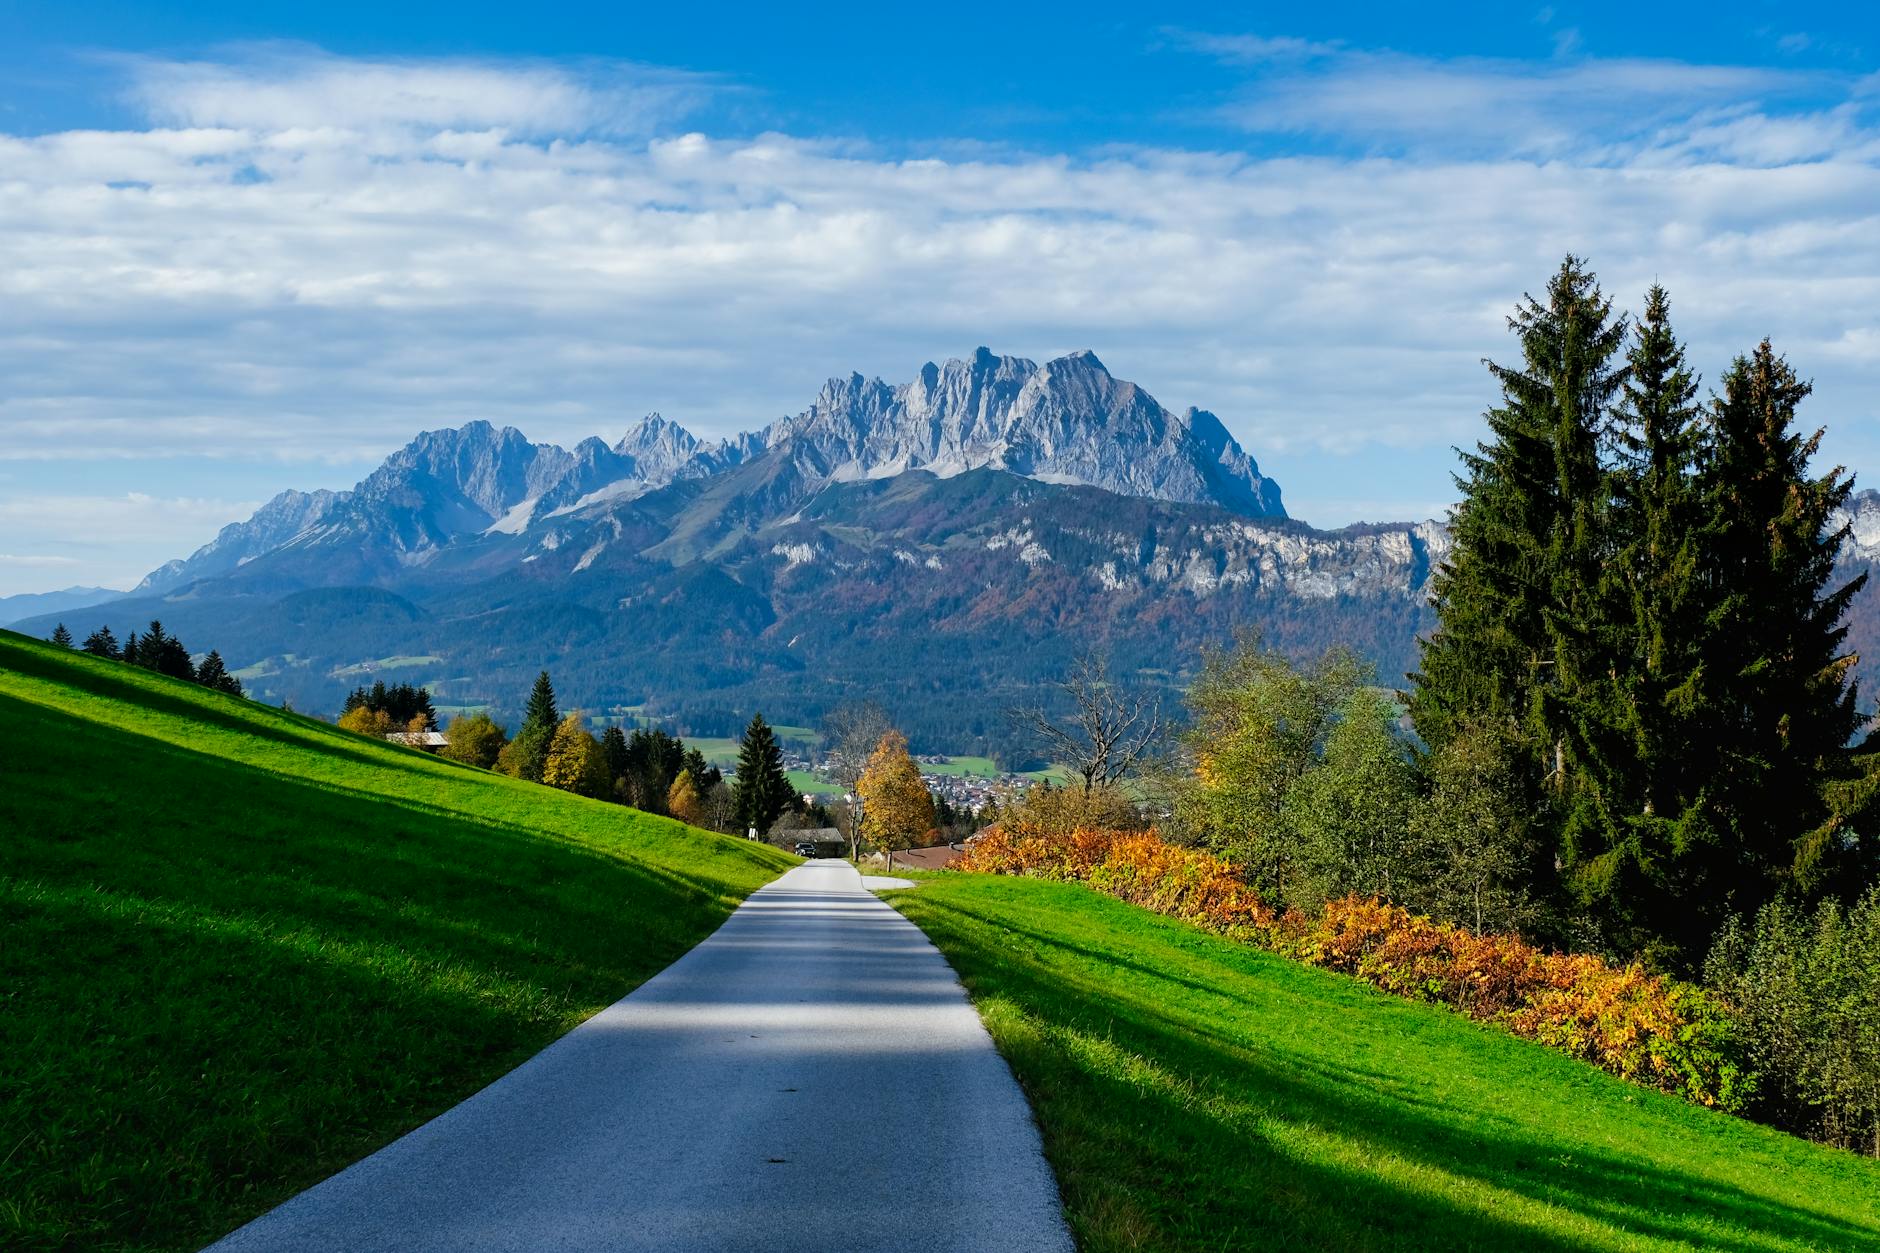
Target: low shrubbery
{"type": "Point", "coordinates": [1655, 1031]}
{"type": "Point", "coordinates": [1805, 991]}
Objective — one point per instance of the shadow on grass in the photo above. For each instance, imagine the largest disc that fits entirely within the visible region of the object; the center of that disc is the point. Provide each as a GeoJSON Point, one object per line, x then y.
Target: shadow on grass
{"type": "Point", "coordinates": [219, 983]}
{"type": "Point", "coordinates": [1205, 1153]}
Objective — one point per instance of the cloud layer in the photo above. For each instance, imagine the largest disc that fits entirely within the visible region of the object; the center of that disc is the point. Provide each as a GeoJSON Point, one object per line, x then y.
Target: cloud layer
{"type": "Point", "coordinates": [308, 258]}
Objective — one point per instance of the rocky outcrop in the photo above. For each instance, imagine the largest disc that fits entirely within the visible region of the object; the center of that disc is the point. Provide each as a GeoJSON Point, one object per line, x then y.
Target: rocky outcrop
{"type": "Point", "coordinates": [1067, 421]}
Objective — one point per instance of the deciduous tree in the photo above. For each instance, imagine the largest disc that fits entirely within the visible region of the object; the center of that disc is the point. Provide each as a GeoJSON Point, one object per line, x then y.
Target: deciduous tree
{"type": "Point", "coordinates": [574, 762]}
{"type": "Point", "coordinates": [897, 808]}
{"type": "Point", "coordinates": [474, 739]}
{"type": "Point", "coordinates": [683, 802]}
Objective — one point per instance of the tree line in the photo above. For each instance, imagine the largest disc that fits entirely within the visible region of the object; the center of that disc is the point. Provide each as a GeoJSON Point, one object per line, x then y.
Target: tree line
{"type": "Point", "coordinates": [157, 651]}
{"type": "Point", "coordinates": [1634, 730]}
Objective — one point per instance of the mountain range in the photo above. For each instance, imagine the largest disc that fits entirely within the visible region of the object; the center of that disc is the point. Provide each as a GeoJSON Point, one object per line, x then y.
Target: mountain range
{"type": "Point", "coordinates": [944, 546]}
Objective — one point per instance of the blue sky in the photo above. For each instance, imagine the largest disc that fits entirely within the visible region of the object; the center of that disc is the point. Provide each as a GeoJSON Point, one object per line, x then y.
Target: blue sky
{"type": "Point", "coordinates": [248, 247]}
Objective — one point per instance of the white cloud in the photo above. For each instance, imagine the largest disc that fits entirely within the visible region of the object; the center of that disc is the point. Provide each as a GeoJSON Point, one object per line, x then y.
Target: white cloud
{"type": "Point", "coordinates": [296, 88]}
{"type": "Point", "coordinates": [1498, 107]}
{"type": "Point", "coordinates": [253, 286]}
{"type": "Point", "coordinates": [1252, 49]}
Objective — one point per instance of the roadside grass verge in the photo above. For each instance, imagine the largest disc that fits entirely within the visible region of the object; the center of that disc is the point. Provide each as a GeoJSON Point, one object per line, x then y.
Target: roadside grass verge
{"type": "Point", "coordinates": [1195, 1093]}
{"type": "Point", "coordinates": [240, 949]}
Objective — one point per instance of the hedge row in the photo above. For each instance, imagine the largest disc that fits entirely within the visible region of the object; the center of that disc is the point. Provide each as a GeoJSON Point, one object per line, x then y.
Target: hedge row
{"type": "Point", "coordinates": [1654, 1031]}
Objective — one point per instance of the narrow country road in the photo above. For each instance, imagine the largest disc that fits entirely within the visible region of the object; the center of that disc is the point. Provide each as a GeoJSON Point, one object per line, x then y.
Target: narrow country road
{"type": "Point", "coordinates": [809, 1078]}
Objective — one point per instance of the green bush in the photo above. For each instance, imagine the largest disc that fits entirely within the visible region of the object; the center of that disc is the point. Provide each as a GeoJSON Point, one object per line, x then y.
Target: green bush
{"type": "Point", "coordinates": [1806, 997]}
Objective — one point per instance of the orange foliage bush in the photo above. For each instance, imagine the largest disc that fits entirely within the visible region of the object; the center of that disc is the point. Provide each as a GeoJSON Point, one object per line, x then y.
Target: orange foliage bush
{"type": "Point", "coordinates": [1643, 1027]}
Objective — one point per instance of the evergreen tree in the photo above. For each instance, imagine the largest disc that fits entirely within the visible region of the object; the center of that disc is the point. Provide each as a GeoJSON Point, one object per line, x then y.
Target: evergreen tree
{"type": "Point", "coordinates": [1636, 721]}
{"type": "Point", "coordinates": [1779, 674]}
{"type": "Point", "coordinates": [614, 754]}
{"type": "Point", "coordinates": [101, 643]}
{"type": "Point", "coordinates": [762, 790]}
{"type": "Point", "coordinates": [61, 636]}
{"type": "Point", "coordinates": [704, 775]}
{"type": "Point", "coordinates": [129, 655]}
{"type": "Point", "coordinates": [213, 673]}
{"type": "Point", "coordinates": [163, 653]}
{"type": "Point", "coordinates": [524, 756]}
{"type": "Point", "coordinates": [1524, 638]}
{"type": "Point", "coordinates": [541, 707]}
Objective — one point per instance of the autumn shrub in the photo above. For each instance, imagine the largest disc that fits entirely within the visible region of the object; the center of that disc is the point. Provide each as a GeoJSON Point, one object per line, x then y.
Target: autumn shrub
{"type": "Point", "coordinates": [1654, 1031]}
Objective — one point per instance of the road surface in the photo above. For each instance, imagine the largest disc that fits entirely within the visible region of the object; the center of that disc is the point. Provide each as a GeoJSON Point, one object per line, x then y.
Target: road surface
{"type": "Point", "coordinates": [809, 1078]}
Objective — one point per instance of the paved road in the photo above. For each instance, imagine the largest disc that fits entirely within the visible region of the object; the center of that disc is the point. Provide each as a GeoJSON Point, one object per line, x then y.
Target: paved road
{"type": "Point", "coordinates": [809, 1078]}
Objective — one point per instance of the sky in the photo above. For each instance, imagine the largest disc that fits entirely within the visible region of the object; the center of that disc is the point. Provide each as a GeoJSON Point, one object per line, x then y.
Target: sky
{"type": "Point", "coordinates": [251, 247]}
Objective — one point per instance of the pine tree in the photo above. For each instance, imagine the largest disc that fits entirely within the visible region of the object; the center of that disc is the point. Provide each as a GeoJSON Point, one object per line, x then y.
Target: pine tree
{"type": "Point", "coordinates": [526, 755]}
{"type": "Point", "coordinates": [614, 754]}
{"type": "Point", "coordinates": [213, 673]}
{"type": "Point", "coordinates": [540, 711]}
{"type": "Point", "coordinates": [129, 655]}
{"type": "Point", "coordinates": [762, 789]}
{"type": "Point", "coordinates": [61, 636]}
{"type": "Point", "coordinates": [1523, 635]}
{"type": "Point", "coordinates": [1777, 667]}
{"type": "Point", "coordinates": [101, 643]}
{"type": "Point", "coordinates": [1635, 719]}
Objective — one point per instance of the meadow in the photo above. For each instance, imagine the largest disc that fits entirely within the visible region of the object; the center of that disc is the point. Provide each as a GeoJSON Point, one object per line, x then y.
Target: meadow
{"type": "Point", "coordinates": [1195, 1093]}
{"type": "Point", "coordinates": [244, 948]}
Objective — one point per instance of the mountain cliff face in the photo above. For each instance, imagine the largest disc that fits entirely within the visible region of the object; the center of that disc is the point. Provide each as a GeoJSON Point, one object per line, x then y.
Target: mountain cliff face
{"type": "Point", "coordinates": [1067, 421]}
{"type": "Point", "coordinates": [943, 546]}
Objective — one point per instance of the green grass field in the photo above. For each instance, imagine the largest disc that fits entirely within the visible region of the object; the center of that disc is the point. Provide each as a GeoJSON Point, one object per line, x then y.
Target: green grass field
{"type": "Point", "coordinates": [979, 766]}
{"type": "Point", "coordinates": [239, 949]}
{"type": "Point", "coordinates": [366, 669]}
{"type": "Point", "coordinates": [1198, 1094]}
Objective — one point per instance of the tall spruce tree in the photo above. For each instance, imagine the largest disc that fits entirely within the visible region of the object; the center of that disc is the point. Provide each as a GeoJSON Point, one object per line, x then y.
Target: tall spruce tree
{"type": "Point", "coordinates": [213, 673]}
{"type": "Point", "coordinates": [540, 710]}
{"type": "Point", "coordinates": [101, 643]}
{"type": "Point", "coordinates": [1634, 717]}
{"type": "Point", "coordinates": [1522, 628]}
{"type": "Point", "coordinates": [61, 636]}
{"type": "Point", "coordinates": [1780, 677]}
{"type": "Point", "coordinates": [762, 790]}
{"type": "Point", "coordinates": [527, 754]}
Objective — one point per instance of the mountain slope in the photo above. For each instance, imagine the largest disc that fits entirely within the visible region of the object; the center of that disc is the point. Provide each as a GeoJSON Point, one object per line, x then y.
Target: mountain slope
{"type": "Point", "coordinates": [30, 604]}
{"type": "Point", "coordinates": [1195, 1093]}
{"type": "Point", "coordinates": [259, 947]}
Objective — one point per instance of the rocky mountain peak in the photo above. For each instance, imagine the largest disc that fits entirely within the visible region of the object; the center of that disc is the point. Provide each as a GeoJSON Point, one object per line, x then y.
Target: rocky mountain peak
{"type": "Point", "coordinates": [1069, 420]}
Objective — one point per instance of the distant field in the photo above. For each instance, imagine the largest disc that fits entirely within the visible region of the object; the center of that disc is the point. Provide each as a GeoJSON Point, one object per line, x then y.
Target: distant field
{"type": "Point", "coordinates": [240, 949]}
{"type": "Point", "coordinates": [1198, 1094]}
{"type": "Point", "coordinates": [804, 781]}
{"type": "Point", "coordinates": [383, 663]}
{"type": "Point", "coordinates": [980, 766]}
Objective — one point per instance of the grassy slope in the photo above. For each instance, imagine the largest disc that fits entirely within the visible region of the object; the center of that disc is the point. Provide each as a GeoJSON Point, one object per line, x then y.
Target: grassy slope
{"type": "Point", "coordinates": [241, 948]}
{"type": "Point", "coordinates": [1199, 1094]}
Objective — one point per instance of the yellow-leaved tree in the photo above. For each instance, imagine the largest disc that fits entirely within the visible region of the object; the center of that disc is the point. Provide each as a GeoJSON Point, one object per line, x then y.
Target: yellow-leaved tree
{"type": "Point", "coordinates": [682, 800]}
{"type": "Point", "coordinates": [373, 722]}
{"type": "Point", "coordinates": [575, 762]}
{"type": "Point", "coordinates": [897, 809]}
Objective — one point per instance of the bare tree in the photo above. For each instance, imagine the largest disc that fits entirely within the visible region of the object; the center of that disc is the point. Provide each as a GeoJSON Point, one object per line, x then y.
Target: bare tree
{"type": "Point", "coordinates": [1108, 734]}
{"type": "Point", "coordinates": [850, 734]}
